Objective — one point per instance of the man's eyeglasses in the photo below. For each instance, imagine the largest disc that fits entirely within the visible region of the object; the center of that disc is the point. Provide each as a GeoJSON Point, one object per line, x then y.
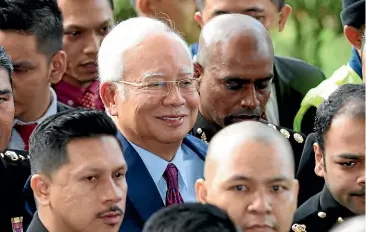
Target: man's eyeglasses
{"type": "Point", "coordinates": [185, 86]}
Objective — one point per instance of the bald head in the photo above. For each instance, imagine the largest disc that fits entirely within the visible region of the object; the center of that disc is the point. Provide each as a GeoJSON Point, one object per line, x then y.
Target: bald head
{"type": "Point", "coordinates": [249, 172]}
{"type": "Point", "coordinates": [233, 28]}
{"type": "Point", "coordinates": [229, 143]}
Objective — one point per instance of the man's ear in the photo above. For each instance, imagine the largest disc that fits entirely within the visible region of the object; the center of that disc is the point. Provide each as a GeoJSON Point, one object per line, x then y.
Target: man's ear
{"type": "Point", "coordinates": [201, 191]}
{"type": "Point", "coordinates": [143, 8]}
{"type": "Point", "coordinates": [198, 18]}
{"type": "Point", "coordinates": [284, 14]}
{"type": "Point", "coordinates": [354, 36]}
{"type": "Point", "coordinates": [108, 94]}
{"type": "Point", "coordinates": [58, 66]}
{"type": "Point", "coordinates": [319, 161]}
{"type": "Point", "coordinates": [40, 185]}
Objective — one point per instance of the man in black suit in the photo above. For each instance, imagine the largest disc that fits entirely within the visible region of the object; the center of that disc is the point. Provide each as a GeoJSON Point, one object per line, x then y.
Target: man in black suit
{"type": "Point", "coordinates": [340, 160]}
{"type": "Point", "coordinates": [292, 77]}
{"type": "Point", "coordinates": [235, 67]}
{"type": "Point", "coordinates": [31, 32]}
{"type": "Point", "coordinates": [14, 165]}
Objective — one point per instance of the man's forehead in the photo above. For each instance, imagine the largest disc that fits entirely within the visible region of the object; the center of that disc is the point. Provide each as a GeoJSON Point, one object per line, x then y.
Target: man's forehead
{"type": "Point", "coordinates": [77, 13]}
{"type": "Point", "coordinates": [237, 6]}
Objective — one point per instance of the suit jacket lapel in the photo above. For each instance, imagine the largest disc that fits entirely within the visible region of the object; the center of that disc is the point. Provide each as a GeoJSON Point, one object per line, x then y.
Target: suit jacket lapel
{"type": "Point", "coordinates": [282, 78]}
{"type": "Point", "coordinates": [196, 145]}
{"type": "Point", "coordinates": [142, 191]}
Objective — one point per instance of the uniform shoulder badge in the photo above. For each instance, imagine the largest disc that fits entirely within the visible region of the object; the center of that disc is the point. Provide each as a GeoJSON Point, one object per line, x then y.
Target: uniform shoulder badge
{"type": "Point", "coordinates": [17, 224]}
{"type": "Point", "coordinates": [285, 133]}
{"type": "Point", "coordinates": [298, 138]}
{"type": "Point", "coordinates": [203, 135]}
{"type": "Point", "coordinates": [12, 155]}
{"type": "Point", "coordinates": [298, 228]}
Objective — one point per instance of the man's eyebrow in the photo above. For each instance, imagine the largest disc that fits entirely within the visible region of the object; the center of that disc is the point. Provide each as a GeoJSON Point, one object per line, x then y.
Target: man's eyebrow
{"type": "Point", "coordinates": [351, 156]}
{"type": "Point", "coordinates": [253, 9]}
{"type": "Point", "coordinates": [239, 178]}
{"type": "Point", "coordinates": [23, 64]}
{"type": "Point", "coordinates": [243, 11]}
{"type": "Point", "coordinates": [148, 75]}
{"type": "Point", "coordinates": [278, 179]}
{"type": "Point", "coordinates": [80, 27]}
{"type": "Point", "coordinates": [6, 92]}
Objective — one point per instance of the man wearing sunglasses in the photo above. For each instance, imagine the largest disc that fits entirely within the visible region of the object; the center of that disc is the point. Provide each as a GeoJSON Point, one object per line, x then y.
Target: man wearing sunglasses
{"type": "Point", "coordinates": [148, 89]}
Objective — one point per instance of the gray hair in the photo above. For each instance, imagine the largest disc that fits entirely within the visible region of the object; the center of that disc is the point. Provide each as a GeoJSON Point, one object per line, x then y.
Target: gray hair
{"type": "Point", "coordinates": [124, 36]}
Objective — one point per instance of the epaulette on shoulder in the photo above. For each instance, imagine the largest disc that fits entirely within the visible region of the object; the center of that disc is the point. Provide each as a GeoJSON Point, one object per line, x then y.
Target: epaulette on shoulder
{"type": "Point", "coordinates": [13, 156]}
{"type": "Point", "coordinates": [287, 133]}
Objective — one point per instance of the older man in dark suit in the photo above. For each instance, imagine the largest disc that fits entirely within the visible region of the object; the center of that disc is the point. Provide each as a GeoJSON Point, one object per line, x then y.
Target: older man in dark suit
{"type": "Point", "coordinates": [148, 88]}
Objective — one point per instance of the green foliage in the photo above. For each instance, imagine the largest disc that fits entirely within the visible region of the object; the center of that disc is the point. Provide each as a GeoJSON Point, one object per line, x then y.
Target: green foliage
{"type": "Point", "coordinates": [314, 33]}
{"type": "Point", "coordinates": [123, 10]}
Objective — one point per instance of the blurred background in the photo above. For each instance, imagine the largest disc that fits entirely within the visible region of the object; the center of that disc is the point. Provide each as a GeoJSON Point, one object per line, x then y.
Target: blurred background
{"type": "Point", "coordinates": [313, 33]}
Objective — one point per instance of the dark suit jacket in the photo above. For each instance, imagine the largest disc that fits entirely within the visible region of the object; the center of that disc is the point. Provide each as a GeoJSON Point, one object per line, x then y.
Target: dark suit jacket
{"type": "Point", "coordinates": [323, 203]}
{"type": "Point", "coordinates": [310, 183]}
{"type": "Point", "coordinates": [36, 225]}
{"type": "Point", "coordinates": [143, 198]}
{"type": "Point", "coordinates": [14, 171]}
{"type": "Point", "coordinates": [293, 78]}
{"type": "Point", "coordinates": [206, 130]}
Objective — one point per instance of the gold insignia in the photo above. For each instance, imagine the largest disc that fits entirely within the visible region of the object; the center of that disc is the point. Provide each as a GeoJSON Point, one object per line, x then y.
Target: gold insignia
{"type": "Point", "coordinates": [199, 130]}
{"type": "Point", "coordinates": [21, 157]}
{"type": "Point", "coordinates": [2, 155]}
{"type": "Point", "coordinates": [298, 138]}
{"type": "Point", "coordinates": [322, 214]}
{"type": "Point", "coordinates": [28, 156]}
{"type": "Point", "coordinates": [12, 155]}
{"type": "Point", "coordinates": [298, 228]}
{"type": "Point", "coordinates": [272, 126]}
{"type": "Point", "coordinates": [340, 220]}
{"type": "Point", "coordinates": [285, 133]}
{"type": "Point", "coordinates": [203, 137]}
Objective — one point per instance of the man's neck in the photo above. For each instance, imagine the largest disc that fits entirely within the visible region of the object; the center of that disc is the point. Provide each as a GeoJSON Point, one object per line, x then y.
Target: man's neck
{"type": "Point", "coordinates": [37, 111]}
{"type": "Point", "coordinates": [73, 81]}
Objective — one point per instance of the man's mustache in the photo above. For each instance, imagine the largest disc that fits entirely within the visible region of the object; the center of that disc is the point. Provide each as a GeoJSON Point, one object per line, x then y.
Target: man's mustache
{"type": "Point", "coordinates": [243, 113]}
{"type": "Point", "coordinates": [113, 209]}
{"type": "Point", "coordinates": [358, 193]}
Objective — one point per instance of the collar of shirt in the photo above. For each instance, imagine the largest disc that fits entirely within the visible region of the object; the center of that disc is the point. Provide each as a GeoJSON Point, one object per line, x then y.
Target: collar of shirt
{"type": "Point", "coordinates": [355, 62]}
{"type": "Point", "coordinates": [52, 109]}
{"type": "Point", "coordinates": [156, 165]}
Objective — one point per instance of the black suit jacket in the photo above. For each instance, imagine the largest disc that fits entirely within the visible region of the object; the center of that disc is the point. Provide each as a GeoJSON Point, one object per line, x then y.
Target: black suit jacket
{"type": "Point", "coordinates": [206, 130]}
{"type": "Point", "coordinates": [14, 171]}
{"type": "Point", "coordinates": [293, 78]}
{"type": "Point", "coordinates": [36, 225]}
{"type": "Point", "coordinates": [321, 212]}
{"type": "Point", "coordinates": [310, 183]}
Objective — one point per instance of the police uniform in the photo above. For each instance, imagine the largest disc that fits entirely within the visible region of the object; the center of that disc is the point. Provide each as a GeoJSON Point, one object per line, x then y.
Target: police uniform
{"type": "Point", "coordinates": [14, 171]}
{"type": "Point", "coordinates": [320, 213]}
{"type": "Point", "coordinates": [205, 130]}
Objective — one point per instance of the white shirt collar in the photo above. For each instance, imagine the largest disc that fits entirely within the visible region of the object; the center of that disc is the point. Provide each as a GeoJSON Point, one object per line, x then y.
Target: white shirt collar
{"type": "Point", "coordinates": [156, 165]}
{"type": "Point", "coordinates": [52, 109]}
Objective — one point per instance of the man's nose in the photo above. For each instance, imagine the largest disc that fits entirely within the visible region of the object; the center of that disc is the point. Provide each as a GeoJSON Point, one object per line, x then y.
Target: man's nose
{"type": "Point", "coordinates": [249, 98]}
{"type": "Point", "coordinates": [113, 193]}
{"type": "Point", "coordinates": [261, 204]}
{"type": "Point", "coordinates": [93, 44]}
{"type": "Point", "coordinates": [174, 97]}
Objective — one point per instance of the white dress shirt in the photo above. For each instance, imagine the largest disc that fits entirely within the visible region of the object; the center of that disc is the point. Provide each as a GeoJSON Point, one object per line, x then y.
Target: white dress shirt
{"type": "Point", "coordinates": [272, 113]}
{"type": "Point", "coordinates": [189, 165]}
{"type": "Point", "coordinates": [16, 142]}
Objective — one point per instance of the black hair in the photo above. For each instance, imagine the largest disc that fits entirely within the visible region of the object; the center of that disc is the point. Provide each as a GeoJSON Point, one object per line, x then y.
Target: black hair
{"type": "Point", "coordinates": [48, 143]}
{"type": "Point", "coordinates": [348, 99]}
{"type": "Point", "coordinates": [190, 217]}
{"type": "Point", "coordinates": [201, 3]}
{"type": "Point", "coordinates": [41, 18]}
{"type": "Point", "coordinates": [5, 63]}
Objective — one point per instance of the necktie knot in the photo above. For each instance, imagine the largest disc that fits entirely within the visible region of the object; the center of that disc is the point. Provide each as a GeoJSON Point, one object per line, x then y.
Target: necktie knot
{"type": "Point", "coordinates": [25, 131]}
{"type": "Point", "coordinates": [171, 176]}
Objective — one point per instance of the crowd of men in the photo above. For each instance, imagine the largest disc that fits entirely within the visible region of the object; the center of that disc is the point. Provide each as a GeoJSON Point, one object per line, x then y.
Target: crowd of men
{"type": "Point", "coordinates": [187, 122]}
